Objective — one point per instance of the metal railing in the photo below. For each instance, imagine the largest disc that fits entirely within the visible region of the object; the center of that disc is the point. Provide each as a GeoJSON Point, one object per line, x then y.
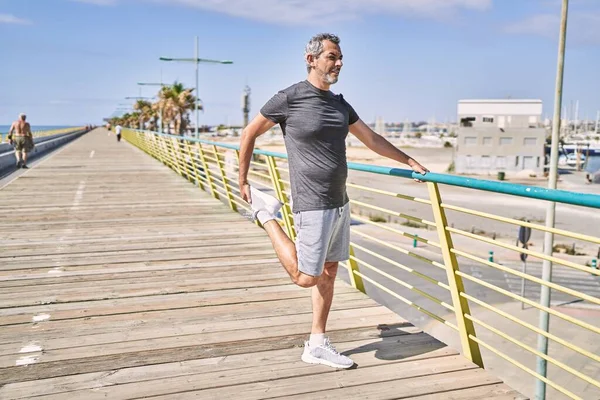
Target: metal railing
{"type": "Point", "coordinates": [429, 279]}
{"type": "Point", "coordinates": [44, 133]}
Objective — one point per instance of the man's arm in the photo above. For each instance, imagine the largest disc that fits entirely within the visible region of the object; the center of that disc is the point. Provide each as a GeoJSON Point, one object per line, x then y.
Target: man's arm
{"type": "Point", "coordinates": [28, 129]}
{"type": "Point", "coordinates": [254, 129]}
{"type": "Point", "coordinates": [10, 133]}
{"type": "Point", "coordinates": [381, 146]}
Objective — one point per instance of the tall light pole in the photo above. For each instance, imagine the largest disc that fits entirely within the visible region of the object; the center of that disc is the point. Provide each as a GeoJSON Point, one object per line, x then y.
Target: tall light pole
{"type": "Point", "coordinates": [160, 127]}
{"type": "Point", "coordinates": [196, 61]}
{"type": "Point", "coordinates": [544, 323]}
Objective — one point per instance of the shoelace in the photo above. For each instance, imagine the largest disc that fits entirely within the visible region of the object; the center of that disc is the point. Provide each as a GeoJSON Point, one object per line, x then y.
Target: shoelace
{"type": "Point", "coordinates": [327, 345]}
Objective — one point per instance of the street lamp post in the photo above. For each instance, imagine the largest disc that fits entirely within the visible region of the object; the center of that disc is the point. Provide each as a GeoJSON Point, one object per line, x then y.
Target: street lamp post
{"type": "Point", "coordinates": [196, 61]}
{"type": "Point", "coordinates": [544, 321]}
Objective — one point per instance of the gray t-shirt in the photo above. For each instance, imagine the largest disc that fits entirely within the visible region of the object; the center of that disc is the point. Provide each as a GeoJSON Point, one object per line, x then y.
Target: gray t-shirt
{"type": "Point", "coordinates": [315, 125]}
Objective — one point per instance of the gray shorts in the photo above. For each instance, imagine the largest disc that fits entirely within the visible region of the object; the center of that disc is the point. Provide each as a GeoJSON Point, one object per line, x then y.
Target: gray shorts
{"type": "Point", "coordinates": [322, 236]}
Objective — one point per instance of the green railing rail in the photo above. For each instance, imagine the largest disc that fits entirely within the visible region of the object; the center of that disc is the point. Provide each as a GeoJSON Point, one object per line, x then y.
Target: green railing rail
{"type": "Point", "coordinates": [431, 274]}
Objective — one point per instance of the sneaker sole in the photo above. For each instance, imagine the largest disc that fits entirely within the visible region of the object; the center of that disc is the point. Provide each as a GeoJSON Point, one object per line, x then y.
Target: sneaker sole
{"type": "Point", "coordinates": [314, 360]}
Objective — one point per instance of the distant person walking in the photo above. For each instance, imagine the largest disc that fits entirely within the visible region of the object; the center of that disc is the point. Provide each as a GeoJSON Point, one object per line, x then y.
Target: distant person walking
{"type": "Point", "coordinates": [21, 138]}
{"type": "Point", "coordinates": [118, 132]}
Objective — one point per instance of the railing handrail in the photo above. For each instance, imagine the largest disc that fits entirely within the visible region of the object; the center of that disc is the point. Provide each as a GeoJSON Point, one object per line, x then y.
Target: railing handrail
{"type": "Point", "coordinates": [514, 189]}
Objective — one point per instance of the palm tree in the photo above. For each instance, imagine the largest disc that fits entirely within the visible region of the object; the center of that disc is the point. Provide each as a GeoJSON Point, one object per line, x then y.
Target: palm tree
{"type": "Point", "coordinates": [146, 113]}
{"type": "Point", "coordinates": [176, 103]}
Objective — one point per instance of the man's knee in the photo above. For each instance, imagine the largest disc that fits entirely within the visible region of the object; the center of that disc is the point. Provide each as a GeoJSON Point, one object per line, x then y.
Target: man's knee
{"type": "Point", "coordinates": [306, 281]}
{"type": "Point", "coordinates": [330, 270]}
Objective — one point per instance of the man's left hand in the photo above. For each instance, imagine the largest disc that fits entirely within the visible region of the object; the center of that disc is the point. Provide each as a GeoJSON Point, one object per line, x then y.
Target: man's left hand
{"type": "Point", "coordinates": [418, 168]}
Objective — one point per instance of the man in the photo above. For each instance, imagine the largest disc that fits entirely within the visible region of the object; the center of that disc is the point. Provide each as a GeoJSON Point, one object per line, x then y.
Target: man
{"type": "Point", "coordinates": [118, 132]}
{"type": "Point", "coordinates": [21, 138]}
{"type": "Point", "coordinates": [315, 123]}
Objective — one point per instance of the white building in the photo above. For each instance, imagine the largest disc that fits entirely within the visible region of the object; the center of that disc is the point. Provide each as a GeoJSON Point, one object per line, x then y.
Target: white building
{"type": "Point", "coordinates": [500, 135]}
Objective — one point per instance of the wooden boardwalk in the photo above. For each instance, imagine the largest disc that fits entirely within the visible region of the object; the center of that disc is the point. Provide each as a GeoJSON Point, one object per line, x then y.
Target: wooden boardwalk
{"type": "Point", "coordinates": [121, 280]}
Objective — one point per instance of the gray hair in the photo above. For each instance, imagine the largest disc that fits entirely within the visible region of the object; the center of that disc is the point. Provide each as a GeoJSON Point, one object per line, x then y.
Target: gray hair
{"type": "Point", "coordinates": [315, 45]}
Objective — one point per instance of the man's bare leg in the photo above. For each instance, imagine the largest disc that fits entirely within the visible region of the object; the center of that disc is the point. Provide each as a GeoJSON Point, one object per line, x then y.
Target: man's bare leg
{"type": "Point", "coordinates": [24, 158]}
{"type": "Point", "coordinates": [286, 252]}
{"type": "Point", "coordinates": [322, 297]}
{"type": "Point", "coordinates": [18, 156]}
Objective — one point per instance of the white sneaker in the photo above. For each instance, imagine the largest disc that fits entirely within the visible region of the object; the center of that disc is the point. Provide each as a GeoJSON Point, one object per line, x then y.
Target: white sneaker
{"type": "Point", "coordinates": [268, 206]}
{"type": "Point", "coordinates": [325, 354]}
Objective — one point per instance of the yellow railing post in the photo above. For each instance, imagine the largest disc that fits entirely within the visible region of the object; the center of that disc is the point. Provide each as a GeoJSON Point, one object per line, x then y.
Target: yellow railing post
{"type": "Point", "coordinates": [207, 171]}
{"type": "Point", "coordinates": [147, 144]}
{"type": "Point", "coordinates": [224, 179]}
{"type": "Point", "coordinates": [173, 144]}
{"type": "Point", "coordinates": [194, 165]}
{"type": "Point", "coordinates": [461, 305]}
{"type": "Point", "coordinates": [355, 280]}
{"type": "Point", "coordinates": [280, 192]}
{"type": "Point", "coordinates": [154, 147]}
{"type": "Point", "coordinates": [164, 151]}
{"type": "Point", "coordinates": [167, 152]}
{"type": "Point", "coordinates": [182, 161]}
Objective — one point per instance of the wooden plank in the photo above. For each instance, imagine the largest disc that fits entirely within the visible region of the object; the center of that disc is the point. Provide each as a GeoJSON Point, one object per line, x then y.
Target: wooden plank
{"type": "Point", "coordinates": [214, 347]}
{"type": "Point", "coordinates": [180, 322]}
{"type": "Point", "coordinates": [136, 266]}
{"type": "Point", "coordinates": [435, 384]}
{"type": "Point", "coordinates": [155, 289]}
{"type": "Point", "coordinates": [85, 309]}
{"type": "Point", "coordinates": [453, 371]}
{"type": "Point", "coordinates": [102, 345]}
{"type": "Point", "coordinates": [498, 391]}
{"type": "Point", "coordinates": [239, 369]}
{"type": "Point", "coordinates": [398, 349]}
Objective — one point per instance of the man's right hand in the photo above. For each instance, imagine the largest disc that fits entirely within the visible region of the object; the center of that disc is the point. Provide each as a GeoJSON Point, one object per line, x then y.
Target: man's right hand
{"type": "Point", "coordinates": [245, 192]}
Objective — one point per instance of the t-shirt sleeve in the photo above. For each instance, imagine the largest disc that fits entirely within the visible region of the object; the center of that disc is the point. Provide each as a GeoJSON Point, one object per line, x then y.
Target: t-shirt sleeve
{"type": "Point", "coordinates": [276, 109]}
{"type": "Point", "coordinates": [352, 115]}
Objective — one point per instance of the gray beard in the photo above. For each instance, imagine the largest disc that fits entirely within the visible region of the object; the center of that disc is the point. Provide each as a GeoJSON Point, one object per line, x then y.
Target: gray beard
{"type": "Point", "coordinates": [330, 79]}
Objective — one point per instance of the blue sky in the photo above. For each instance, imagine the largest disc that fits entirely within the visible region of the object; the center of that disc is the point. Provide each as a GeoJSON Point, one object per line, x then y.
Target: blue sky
{"type": "Point", "coordinates": [74, 61]}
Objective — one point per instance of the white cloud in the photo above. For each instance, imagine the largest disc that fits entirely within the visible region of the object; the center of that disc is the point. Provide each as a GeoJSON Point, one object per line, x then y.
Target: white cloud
{"type": "Point", "coordinates": [98, 2]}
{"type": "Point", "coordinates": [582, 28]}
{"type": "Point", "coordinates": [319, 11]}
{"type": "Point", "coordinates": [300, 12]}
{"type": "Point", "coordinates": [541, 25]}
{"type": "Point", "coordinates": [11, 19]}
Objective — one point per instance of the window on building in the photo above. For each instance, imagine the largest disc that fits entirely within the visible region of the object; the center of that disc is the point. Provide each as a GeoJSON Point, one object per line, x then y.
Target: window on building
{"type": "Point", "coordinates": [533, 121]}
{"type": "Point", "coordinates": [504, 141]}
{"type": "Point", "coordinates": [469, 161]}
{"type": "Point", "coordinates": [528, 162]}
{"type": "Point", "coordinates": [487, 141]}
{"type": "Point", "coordinates": [486, 161]}
{"type": "Point", "coordinates": [516, 161]}
{"type": "Point", "coordinates": [467, 121]}
{"type": "Point", "coordinates": [470, 141]}
{"type": "Point", "coordinates": [488, 119]}
{"type": "Point", "coordinates": [530, 141]}
{"type": "Point", "coordinates": [501, 162]}
{"type": "Point", "coordinates": [501, 121]}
